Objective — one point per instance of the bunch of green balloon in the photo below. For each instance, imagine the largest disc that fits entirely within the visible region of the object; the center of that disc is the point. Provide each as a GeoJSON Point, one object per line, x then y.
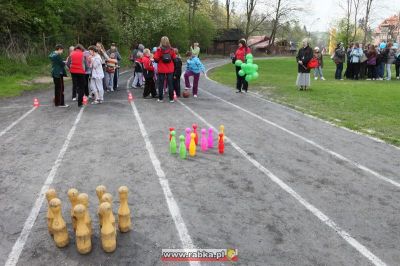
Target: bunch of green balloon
{"type": "Point", "coordinates": [249, 69]}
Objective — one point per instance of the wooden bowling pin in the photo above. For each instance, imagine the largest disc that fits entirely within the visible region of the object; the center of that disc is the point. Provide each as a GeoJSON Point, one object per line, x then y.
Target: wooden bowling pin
{"type": "Point", "coordinates": [50, 194]}
{"type": "Point", "coordinates": [83, 199]}
{"type": "Point", "coordinates": [210, 138]}
{"type": "Point", "coordinates": [172, 143]}
{"type": "Point", "coordinates": [196, 138]}
{"type": "Point", "coordinates": [204, 144]}
{"type": "Point", "coordinates": [192, 147]}
{"type": "Point", "coordinates": [124, 214]}
{"type": "Point", "coordinates": [73, 198]}
{"type": "Point", "coordinates": [59, 227]}
{"type": "Point", "coordinates": [182, 147]}
{"type": "Point", "coordinates": [187, 141]}
{"type": "Point", "coordinates": [100, 190]}
{"type": "Point", "coordinates": [108, 237]}
{"type": "Point", "coordinates": [83, 238]}
{"type": "Point", "coordinates": [107, 197]}
{"type": "Point", "coordinates": [221, 145]}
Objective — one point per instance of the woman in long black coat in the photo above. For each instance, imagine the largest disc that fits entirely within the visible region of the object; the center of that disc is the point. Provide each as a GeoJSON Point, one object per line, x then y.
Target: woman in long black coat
{"type": "Point", "coordinates": [304, 56]}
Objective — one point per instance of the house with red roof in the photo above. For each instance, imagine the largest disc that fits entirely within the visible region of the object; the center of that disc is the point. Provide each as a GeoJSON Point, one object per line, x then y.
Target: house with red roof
{"type": "Point", "coordinates": [388, 30]}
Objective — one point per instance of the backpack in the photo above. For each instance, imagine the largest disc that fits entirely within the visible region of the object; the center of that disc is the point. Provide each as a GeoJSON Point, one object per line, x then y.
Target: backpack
{"type": "Point", "coordinates": [166, 56]}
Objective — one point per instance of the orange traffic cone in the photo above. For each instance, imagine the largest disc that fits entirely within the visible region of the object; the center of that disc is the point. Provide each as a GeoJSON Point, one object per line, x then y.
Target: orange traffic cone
{"type": "Point", "coordinates": [130, 97]}
{"type": "Point", "coordinates": [85, 100]}
{"type": "Point", "coordinates": [36, 102]}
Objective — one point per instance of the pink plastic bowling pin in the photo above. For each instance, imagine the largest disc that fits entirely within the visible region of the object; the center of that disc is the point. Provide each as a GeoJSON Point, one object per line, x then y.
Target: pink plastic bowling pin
{"type": "Point", "coordinates": [210, 138]}
{"type": "Point", "coordinates": [187, 140]}
{"type": "Point", "coordinates": [204, 144]}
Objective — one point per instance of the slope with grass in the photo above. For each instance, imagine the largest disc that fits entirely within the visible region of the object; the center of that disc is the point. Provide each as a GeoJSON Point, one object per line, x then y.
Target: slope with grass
{"type": "Point", "coordinates": [371, 107]}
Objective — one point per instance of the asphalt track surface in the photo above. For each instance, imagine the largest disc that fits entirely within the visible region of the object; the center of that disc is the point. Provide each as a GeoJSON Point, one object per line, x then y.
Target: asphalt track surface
{"type": "Point", "coordinates": [289, 190]}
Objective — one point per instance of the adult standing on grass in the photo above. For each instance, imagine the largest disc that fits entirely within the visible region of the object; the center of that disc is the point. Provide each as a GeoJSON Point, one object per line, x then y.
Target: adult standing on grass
{"type": "Point", "coordinates": [339, 57]}
{"type": "Point", "coordinates": [58, 73]}
{"type": "Point", "coordinates": [388, 59]}
{"type": "Point", "coordinates": [355, 59]}
{"type": "Point", "coordinates": [397, 62]}
{"type": "Point", "coordinates": [165, 56]}
{"type": "Point", "coordinates": [240, 54]}
{"type": "Point", "coordinates": [371, 63]}
{"type": "Point", "coordinates": [96, 81]}
{"type": "Point", "coordinates": [304, 56]}
{"type": "Point", "coordinates": [195, 49]}
{"type": "Point", "coordinates": [77, 68]}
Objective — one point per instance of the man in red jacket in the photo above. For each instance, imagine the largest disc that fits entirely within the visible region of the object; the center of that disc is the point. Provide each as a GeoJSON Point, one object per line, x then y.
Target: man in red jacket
{"type": "Point", "coordinates": [77, 67]}
{"type": "Point", "coordinates": [165, 56]}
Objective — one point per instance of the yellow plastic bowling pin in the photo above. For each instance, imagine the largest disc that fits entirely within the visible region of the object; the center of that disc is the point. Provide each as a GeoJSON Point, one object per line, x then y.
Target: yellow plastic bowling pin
{"type": "Point", "coordinates": [73, 198]}
{"type": "Point", "coordinates": [59, 227]}
{"type": "Point", "coordinates": [108, 237]}
{"type": "Point", "coordinates": [192, 146]}
{"type": "Point", "coordinates": [82, 235]}
{"type": "Point", "coordinates": [50, 194]}
{"type": "Point", "coordinates": [221, 130]}
{"type": "Point", "coordinates": [83, 199]}
{"type": "Point", "coordinates": [124, 214]}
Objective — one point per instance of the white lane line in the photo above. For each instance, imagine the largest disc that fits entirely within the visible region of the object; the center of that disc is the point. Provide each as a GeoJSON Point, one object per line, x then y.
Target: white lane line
{"type": "Point", "coordinates": [17, 121]}
{"type": "Point", "coordinates": [180, 225]}
{"type": "Point", "coordinates": [311, 142]}
{"type": "Point", "coordinates": [319, 214]}
{"type": "Point", "coordinates": [30, 221]}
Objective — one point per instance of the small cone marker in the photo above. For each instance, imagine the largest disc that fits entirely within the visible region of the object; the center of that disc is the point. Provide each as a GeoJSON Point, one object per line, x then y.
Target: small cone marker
{"type": "Point", "coordinates": [130, 97]}
{"type": "Point", "coordinates": [84, 100]}
{"type": "Point", "coordinates": [36, 102]}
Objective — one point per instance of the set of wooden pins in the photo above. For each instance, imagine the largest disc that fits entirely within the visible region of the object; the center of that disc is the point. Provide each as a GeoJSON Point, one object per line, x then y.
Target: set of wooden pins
{"type": "Point", "coordinates": [82, 222]}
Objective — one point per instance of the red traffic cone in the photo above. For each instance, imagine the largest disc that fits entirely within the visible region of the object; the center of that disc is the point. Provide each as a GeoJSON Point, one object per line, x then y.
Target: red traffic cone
{"type": "Point", "coordinates": [175, 97]}
{"type": "Point", "coordinates": [85, 100]}
{"type": "Point", "coordinates": [130, 96]}
{"type": "Point", "coordinates": [36, 102]}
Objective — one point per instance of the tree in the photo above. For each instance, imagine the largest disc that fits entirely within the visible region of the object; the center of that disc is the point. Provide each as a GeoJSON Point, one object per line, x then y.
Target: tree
{"type": "Point", "coordinates": [253, 21]}
{"type": "Point", "coordinates": [356, 9]}
{"type": "Point", "coordinates": [282, 10]}
{"type": "Point", "coordinates": [228, 7]}
{"type": "Point", "coordinates": [347, 5]}
{"type": "Point", "coordinates": [368, 5]}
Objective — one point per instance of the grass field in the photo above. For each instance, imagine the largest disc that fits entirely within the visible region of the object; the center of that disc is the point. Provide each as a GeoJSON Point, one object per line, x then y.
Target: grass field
{"type": "Point", "coordinates": [371, 107]}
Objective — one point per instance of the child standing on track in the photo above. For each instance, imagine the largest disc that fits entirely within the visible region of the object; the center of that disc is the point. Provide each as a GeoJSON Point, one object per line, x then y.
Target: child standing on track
{"type": "Point", "coordinates": [96, 81]}
{"type": "Point", "coordinates": [111, 65]}
{"type": "Point", "coordinates": [177, 73]}
{"type": "Point", "coordinates": [148, 73]}
{"type": "Point", "coordinates": [193, 68]}
{"type": "Point", "coordinates": [138, 79]}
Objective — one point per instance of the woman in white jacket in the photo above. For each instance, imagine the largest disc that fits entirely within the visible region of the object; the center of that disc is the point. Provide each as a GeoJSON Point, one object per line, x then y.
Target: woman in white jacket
{"type": "Point", "coordinates": [96, 81]}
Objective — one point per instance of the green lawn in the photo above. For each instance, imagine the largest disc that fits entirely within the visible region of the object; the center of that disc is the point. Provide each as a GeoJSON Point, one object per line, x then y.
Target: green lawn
{"type": "Point", "coordinates": [16, 77]}
{"type": "Point", "coordinates": [371, 107]}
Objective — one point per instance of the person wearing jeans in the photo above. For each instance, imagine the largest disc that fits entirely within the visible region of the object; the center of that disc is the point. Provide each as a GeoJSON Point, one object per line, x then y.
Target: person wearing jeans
{"type": "Point", "coordinates": [193, 68]}
{"type": "Point", "coordinates": [165, 56]}
{"type": "Point", "coordinates": [339, 57]}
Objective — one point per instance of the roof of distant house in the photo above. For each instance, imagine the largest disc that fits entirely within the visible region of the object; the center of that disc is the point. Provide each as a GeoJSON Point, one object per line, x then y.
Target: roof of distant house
{"type": "Point", "coordinates": [391, 21]}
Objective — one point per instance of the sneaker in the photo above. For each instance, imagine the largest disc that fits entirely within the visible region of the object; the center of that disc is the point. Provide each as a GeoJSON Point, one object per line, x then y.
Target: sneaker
{"type": "Point", "coordinates": [316, 78]}
{"type": "Point", "coordinates": [112, 90]}
{"type": "Point", "coordinates": [322, 78]}
{"type": "Point", "coordinates": [94, 102]}
{"type": "Point", "coordinates": [171, 101]}
{"type": "Point", "coordinates": [397, 77]}
{"type": "Point", "coordinates": [245, 91]}
{"type": "Point", "coordinates": [63, 106]}
{"type": "Point", "coordinates": [341, 79]}
{"type": "Point", "coordinates": [74, 99]}
{"type": "Point", "coordinates": [160, 101]}
{"type": "Point", "coordinates": [195, 96]}
{"type": "Point", "coordinates": [368, 79]}
{"type": "Point", "coordinates": [238, 91]}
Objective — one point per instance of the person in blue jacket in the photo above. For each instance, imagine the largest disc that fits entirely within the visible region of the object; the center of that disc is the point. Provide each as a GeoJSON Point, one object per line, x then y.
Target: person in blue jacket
{"type": "Point", "coordinates": [193, 68]}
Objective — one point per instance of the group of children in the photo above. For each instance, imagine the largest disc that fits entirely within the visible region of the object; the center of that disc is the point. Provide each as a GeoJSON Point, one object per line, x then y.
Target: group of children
{"type": "Point", "coordinates": [162, 68]}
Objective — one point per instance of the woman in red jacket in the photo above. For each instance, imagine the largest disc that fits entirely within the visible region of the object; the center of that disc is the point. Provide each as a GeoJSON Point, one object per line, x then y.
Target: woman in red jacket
{"type": "Point", "coordinates": [240, 54]}
{"type": "Point", "coordinates": [77, 68]}
{"type": "Point", "coordinates": [165, 56]}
